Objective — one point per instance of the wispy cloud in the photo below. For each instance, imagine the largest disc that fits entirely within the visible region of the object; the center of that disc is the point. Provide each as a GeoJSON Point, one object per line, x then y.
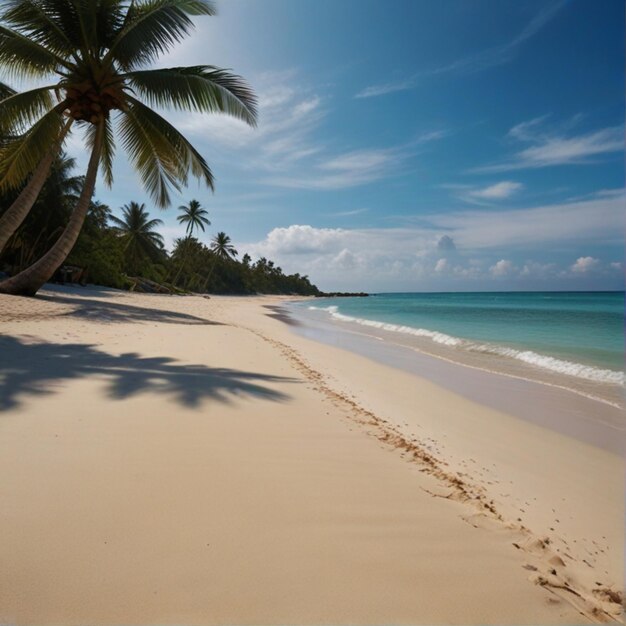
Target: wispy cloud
{"type": "Point", "coordinates": [598, 219]}
{"type": "Point", "coordinates": [476, 62]}
{"type": "Point", "coordinates": [498, 191]}
{"type": "Point", "coordinates": [499, 55]}
{"type": "Point", "coordinates": [349, 213]}
{"type": "Point", "coordinates": [385, 88]}
{"type": "Point", "coordinates": [554, 147]}
{"type": "Point", "coordinates": [349, 169]}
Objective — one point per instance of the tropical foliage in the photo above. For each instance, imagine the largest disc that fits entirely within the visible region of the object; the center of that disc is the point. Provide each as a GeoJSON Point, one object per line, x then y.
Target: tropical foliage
{"type": "Point", "coordinates": [115, 251]}
{"type": "Point", "coordinates": [141, 243]}
{"type": "Point", "coordinates": [91, 57]}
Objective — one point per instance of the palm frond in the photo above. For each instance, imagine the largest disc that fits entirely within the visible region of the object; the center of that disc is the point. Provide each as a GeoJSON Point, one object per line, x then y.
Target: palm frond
{"type": "Point", "coordinates": [21, 57]}
{"type": "Point", "coordinates": [151, 153]}
{"type": "Point", "coordinates": [201, 88]}
{"type": "Point", "coordinates": [177, 148]}
{"type": "Point", "coordinates": [20, 155]}
{"type": "Point", "coordinates": [99, 22]}
{"type": "Point", "coordinates": [108, 149]}
{"type": "Point", "coordinates": [39, 21]}
{"type": "Point", "coordinates": [118, 222]}
{"type": "Point", "coordinates": [152, 27]}
{"type": "Point", "coordinates": [22, 109]}
{"type": "Point", "coordinates": [6, 91]}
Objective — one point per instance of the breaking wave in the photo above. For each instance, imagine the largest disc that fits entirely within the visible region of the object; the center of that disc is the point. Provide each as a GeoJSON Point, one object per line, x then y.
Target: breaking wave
{"type": "Point", "coordinates": [560, 366]}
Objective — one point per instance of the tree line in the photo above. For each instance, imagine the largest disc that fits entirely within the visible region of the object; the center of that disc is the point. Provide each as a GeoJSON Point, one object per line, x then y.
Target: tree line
{"type": "Point", "coordinates": [128, 252]}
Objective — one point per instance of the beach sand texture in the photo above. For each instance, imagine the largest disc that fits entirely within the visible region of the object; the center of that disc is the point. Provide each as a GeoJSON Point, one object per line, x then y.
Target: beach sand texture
{"type": "Point", "coordinates": [183, 460]}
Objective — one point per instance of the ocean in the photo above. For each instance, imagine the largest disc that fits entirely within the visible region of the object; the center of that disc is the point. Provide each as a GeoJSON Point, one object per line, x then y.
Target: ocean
{"type": "Point", "coordinates": [569, 339]}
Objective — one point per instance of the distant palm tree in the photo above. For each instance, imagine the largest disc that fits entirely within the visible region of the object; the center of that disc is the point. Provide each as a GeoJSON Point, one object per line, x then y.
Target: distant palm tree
{"type": "Point", "coordinates": [136, 230]}
{"type": "Point", "coordinates": [222, 248]}
{"type": "Point", "coordinates": [194, 216]}
{"type": "Point", "coordinates": [95, 49]}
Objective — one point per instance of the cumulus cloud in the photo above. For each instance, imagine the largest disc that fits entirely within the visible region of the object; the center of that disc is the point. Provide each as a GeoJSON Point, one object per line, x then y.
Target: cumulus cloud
{"type": "Point", "coordinates": [503, 267]}
{"type": "Point", "coordinates": [585, 264]}
{"type": "Point", "coordinates": [534, 269]}
{"type": "Point", "coordinates": [441, 266]}
{"type": "Point", "coordinates": [476, 244]}
{"type": "Point", "coordinates": [446, 244]}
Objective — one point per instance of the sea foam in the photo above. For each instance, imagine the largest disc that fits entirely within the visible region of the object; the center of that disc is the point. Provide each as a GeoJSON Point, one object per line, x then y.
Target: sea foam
{"type": "Point", "coordinates": [560, 366]}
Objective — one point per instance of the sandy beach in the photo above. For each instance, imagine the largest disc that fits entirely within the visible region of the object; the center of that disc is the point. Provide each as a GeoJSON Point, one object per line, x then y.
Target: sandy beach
{"type": "Point", "coordinates": [185, 460]}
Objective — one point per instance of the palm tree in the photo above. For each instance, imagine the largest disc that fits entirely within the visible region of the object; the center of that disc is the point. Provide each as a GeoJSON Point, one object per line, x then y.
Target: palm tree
{"type": "Point", "coordinates": [48, 215]}
{"type": "Point", "coordinates": [195, 217]}
{"type": "Point", "coordinates": [140, 240]}
{"type": "Point", "coordinates": [223, 249]}
{"type": "Point", "coordinates": [96, 50]}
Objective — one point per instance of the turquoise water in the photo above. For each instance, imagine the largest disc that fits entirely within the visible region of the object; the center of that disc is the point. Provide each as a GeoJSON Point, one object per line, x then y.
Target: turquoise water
{"type": "Point", "coordinates": [576, 333]}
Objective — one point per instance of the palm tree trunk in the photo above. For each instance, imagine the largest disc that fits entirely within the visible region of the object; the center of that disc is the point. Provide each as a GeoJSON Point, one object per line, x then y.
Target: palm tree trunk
{"type": "Point", "coordinates": [12, 218]}
{"type": "Point", "coordinates": [183, 262]}
{"type": "Point", "coordinates": [206, 282]}
{"type": "Point", "coordinates": [28, 282]}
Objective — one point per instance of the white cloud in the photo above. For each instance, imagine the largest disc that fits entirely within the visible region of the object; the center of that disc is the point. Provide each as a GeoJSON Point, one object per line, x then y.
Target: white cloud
{"type": "Point", "coordinates": [563, 150]}
{"type": "Point", "coordinates": [525, 131]}
{"type": "Point", "coordinates": [585, 264]}
{"type": "Point", "coordinates": [498, 191]}
{"type": "Point", "coordinates": [596, 219]}
{"type": "Point", "coordinates": [411, 258]}
{"type": "Point", "coordinates": [550, 148]}
{"type": "Point", "coordinates": [349, 169]}
{"type": "Point", "coordinates": [385, 88]}
{"type": "Point", "coordinates": [534, 269]}
{"type": "Point", "coordinates": [616, 265]}
{"type": "Point", "coordinates": [441, 265]}
{"type": "Point", "coordinates": [503, 267]}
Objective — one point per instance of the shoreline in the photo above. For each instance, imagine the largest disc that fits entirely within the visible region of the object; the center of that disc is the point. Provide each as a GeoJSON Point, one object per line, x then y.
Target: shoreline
{"type": "Point", "coordinates": [480, 355]}
{"type": "Point", "coordinates": [594, 419]}
{"type": "Point", "coordinates": [250, 471]}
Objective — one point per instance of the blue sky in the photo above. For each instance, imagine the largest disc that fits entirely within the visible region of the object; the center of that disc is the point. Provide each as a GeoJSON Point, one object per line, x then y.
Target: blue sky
{"type": "Point", "coordinates": [416, 144]}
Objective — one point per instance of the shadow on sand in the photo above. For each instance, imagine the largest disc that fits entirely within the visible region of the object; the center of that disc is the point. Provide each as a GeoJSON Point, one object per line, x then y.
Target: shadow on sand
{"type": "Point", "coordinates": [36, 369]}
{"type": "Point", "coordinates": [279, 313]}
{"type": "Point", "coordinates": [105, 311]}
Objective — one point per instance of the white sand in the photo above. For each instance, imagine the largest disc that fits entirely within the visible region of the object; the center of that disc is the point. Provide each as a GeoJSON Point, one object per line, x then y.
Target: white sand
{"type": "Point", "coordinates": [173, 460]}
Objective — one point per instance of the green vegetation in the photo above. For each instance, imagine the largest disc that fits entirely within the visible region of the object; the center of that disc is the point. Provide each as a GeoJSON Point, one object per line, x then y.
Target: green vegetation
{"type": "Point", "coordinates": [91, 58]}
{"type": "Point", "coordinates": [128, 251]}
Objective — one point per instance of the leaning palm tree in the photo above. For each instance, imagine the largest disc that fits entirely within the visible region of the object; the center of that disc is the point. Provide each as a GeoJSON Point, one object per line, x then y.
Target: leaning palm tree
{"type": "Point", "coordinates": [48, 215]}
{"type": "Point", "coordinates": [96, 50]}
{"type": "Point", "coordinates": [195, 217]}
{"type": "Point", "coordinates": [137, 232]}
{"type": "Point", "coordinates": [223, 249]}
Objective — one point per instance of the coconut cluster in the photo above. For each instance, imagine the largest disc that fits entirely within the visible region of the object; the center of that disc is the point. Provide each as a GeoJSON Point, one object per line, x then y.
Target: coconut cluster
{"type": "Point", "coordinates": [89, 102]}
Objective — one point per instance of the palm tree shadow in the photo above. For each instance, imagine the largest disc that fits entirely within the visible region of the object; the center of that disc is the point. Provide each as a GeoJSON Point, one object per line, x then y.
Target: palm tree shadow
{"type": "Point", "coordinates": [102, 310]}
{"type": "Point", "coordinates": [37, 369]}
